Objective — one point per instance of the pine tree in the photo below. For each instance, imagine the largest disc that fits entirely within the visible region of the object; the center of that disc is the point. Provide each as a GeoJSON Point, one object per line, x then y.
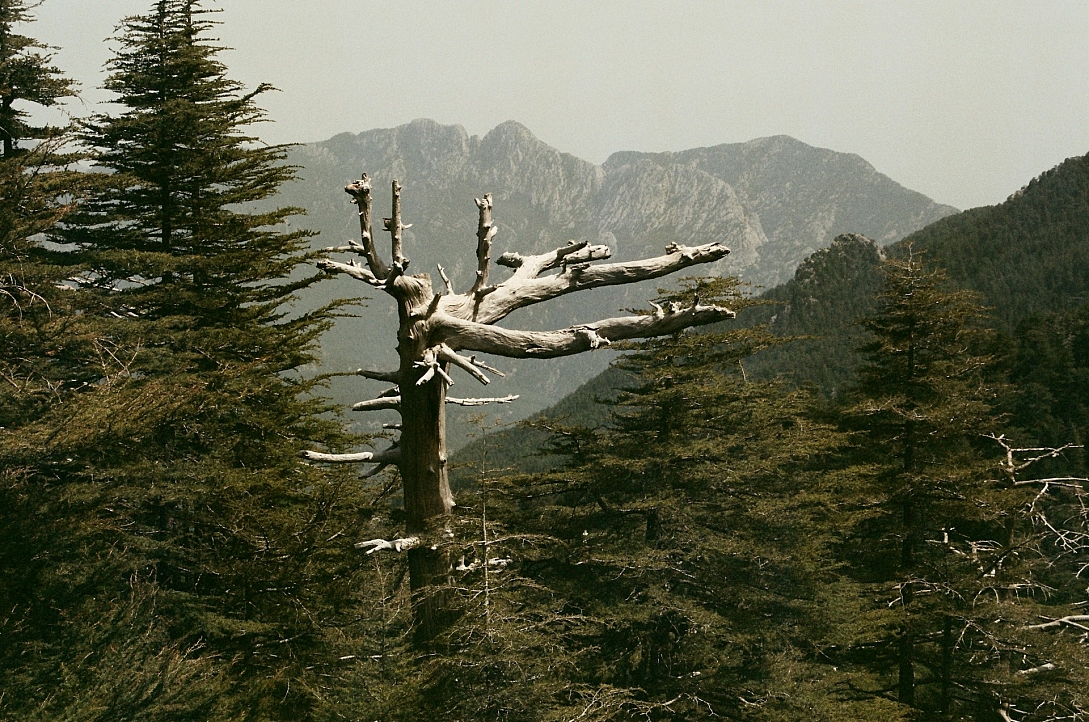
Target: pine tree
{"type": "Point", "coordinates": [45, 348]}
{"type": "Point", "coordinates": [925, 397]}
{"type": "Point", "coordinates": [26, 77]}
{"type": "Point", "coordinates": [183, 496]}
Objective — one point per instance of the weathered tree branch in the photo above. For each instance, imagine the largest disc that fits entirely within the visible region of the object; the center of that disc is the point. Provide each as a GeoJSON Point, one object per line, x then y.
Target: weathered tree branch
{"type": "Point", "coordinates": [393, 377]}
{"type": "Point", "coordinates": [394, 402]}
{"type": "Point", "coordinates": [526, 287]}
{"type": "Point", "coordinates": [467, 335]}
{"type": "Point", "coordinates": [445, 279]}
{"type": "Point", "coordinates": [485, 231]}
{"type": "Point", "coordinates": [380, 404]}
{"type": "Point", "coordinates": [1073, 620]}
{"type": "Point", "coordinates": [395, 227]}
{"type": "Point", "coordinates": [389, 456]}
{"type": "Point", "coordinates": [448, 355]}
{"type": "Point", "coordinates": [350, 269]}
{"type": "Point", "coordinates": [397, 545]}
{"type": "Point", "coordinates": [360, 191]}
{"type": "Point", "coordinates": [481, 402]}
{"type": "Point", "coordinates": [434, 368]}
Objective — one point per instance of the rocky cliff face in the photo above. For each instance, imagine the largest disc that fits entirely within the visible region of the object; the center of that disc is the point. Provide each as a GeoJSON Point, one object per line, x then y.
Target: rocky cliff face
{"type": "Point", "coordinates": [773, 201]}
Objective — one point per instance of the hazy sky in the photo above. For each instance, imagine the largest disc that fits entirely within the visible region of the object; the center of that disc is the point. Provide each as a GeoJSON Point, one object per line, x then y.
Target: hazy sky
{"type": "Point", "coordinates": [963, 101]}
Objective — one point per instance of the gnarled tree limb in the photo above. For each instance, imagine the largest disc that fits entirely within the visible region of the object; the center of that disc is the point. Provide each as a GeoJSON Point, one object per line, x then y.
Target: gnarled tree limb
{"type": "Point", "coordinates": [389, 456]}
{"type": "Point", "coordinates": [467, 335]}
{"type": "Point", "coordinates": [360, 191]}
{"type": "Point", "coordinates": [1074, 620]}
{"type": "Point", "coordinates": [397, 545]}
{"type": "Point", "coordinates": [393, 377]}
{"type": "Point", "coordinates": [395, 227]}
{"type": "Point", "coordinates": [485, 231]}
{"type": "Point", "coordinates": [526, 287]}
{"type": "Point", "coordinates": [448, 355]}
{"type": "Point", "coordinates": [380, 404]}
{"type": "Point", "coordinates": [480, 402]}
{"type": "Point", "coordinates": [350, 269]}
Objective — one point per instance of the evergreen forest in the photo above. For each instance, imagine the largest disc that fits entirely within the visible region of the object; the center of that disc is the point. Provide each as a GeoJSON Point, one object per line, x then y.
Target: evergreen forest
{"type": "Point", "coordinates": [865, 498]}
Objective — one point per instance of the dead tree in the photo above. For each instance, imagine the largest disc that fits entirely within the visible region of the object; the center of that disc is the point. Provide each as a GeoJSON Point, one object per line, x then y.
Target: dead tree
{"type": "Point", "coordinates": [437, 327]}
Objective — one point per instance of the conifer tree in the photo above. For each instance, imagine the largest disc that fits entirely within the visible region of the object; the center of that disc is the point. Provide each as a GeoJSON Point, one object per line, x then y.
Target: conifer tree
{"type": "Point", "coordinates": [26, 77]}
{"type": "Point", "coordinates": [925, 397]}
{"type": "Point", "coordinates": [183, 486]}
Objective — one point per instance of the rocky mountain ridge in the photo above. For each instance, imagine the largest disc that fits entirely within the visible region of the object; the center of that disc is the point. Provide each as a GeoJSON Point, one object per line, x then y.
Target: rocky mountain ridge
{"type": "Point", "coordinates": [773, 201]}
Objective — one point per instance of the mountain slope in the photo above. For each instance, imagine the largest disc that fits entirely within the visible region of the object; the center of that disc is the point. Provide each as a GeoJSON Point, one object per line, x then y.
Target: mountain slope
{"type": "Point", "coordinates": [1025, 256]}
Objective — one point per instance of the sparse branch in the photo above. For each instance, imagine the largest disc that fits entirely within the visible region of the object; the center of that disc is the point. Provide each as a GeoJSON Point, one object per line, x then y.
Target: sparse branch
{"type": "Point", "coordinates": [389, 456]}
{"type": "Point", "coordinates": [467, 335]}
{"type": "Point", "coordinates": [445, 279]}
{"type": "Point", "coordinates": [526, 287]}
{"type": "Point", "coordinates": [393, 377]}
{"type": "Point", "coordinates": [481, 402]}
{"type": "Point", "coordinates": [533, 266]}
{"type": "Point", "coordinates": [360, 191]}
{"type": "Point", "coordinates": [448, 355]}
{"type": "Point", "coordinates": [397, 545]}
{"type": "Point", "coordinates": [395, 226]}
{"type": "Point", "coordinates": [1074, 620]}
{"type": "Point", "coordinates": [485, 231]}
{"type": "Point", "coordinates": [480, 364]}
{"type": "Point", "coordinates": [350, 269]}
{"type": "Point", "coordinates": [394, 402]}
{"type": "Point", "coordinates": [434, 368]}
{"type": "Point", "coordinates": [379, 404]}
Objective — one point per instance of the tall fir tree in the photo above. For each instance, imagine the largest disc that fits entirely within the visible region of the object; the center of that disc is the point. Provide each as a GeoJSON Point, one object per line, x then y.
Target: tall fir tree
{"type": "Point", "coordinates": [193, 557]}
{"type": "Point", "coordinates": [27, 78]}
{"type": "Point", "coordinates": [46, 348]}
{"type": "Point", "coordinates": [927, 393]}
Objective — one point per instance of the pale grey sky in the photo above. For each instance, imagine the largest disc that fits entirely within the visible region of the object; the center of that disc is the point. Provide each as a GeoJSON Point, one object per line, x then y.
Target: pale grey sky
{"type": "Point", "coordinates": [963, 101]}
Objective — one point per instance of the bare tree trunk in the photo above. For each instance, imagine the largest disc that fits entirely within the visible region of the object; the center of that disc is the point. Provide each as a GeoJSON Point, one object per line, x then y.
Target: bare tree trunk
{"type": "Point", "coordinates": [434, 327]}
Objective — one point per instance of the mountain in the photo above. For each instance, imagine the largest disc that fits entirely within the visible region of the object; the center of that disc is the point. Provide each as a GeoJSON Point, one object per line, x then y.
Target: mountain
{"type": "Point", "coordinates": [1026, 256]}
{"type": "Point", "coordinates": [772, 201]}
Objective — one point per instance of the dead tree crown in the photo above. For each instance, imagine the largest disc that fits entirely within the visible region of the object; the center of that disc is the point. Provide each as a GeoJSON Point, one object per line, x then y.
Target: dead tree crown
{"type": "Point", "coordinates": [437, 327]}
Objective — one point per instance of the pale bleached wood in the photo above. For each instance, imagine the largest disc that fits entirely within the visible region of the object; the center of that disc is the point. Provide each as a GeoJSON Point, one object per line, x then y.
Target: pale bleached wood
{"type": "Point", "coordinates": [481, 402]}
{"type": "Point", "coordinates": [448, 355]}
{"type": "Point", "coordinates": [393, 377]}
{"type": "Point", "coordinates": [397, 545]}
{"type": "Point", "coordinates": [470, 336]}
{"type": "Point", "coordinates": [360, 191]}
{"type": "Point", "coordinates": [396, 227]}
{"type": "Point", "coordinates": [435, 328]}
{"type": "Point", "coordinates": [525, 287]}
{"type": "Point", "coordinates": [389, 456]}
{"type": "Point", "coordinates": [485, 232]}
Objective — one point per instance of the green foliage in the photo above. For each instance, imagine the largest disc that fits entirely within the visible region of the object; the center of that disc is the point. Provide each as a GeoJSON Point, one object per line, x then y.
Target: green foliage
{"type": "Point", "coordinates": [925, 394]}
{"type": "Point", "coordinates": [26, 79]}
{"type": "Point", "coordinates": [1024, 255]}
{"type": "Point", "coordinates": [1050, 368]}
{"type": "Point", "coordinates": [817, 308]}
{"type": "Point", "coordinates": [205, 572]}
